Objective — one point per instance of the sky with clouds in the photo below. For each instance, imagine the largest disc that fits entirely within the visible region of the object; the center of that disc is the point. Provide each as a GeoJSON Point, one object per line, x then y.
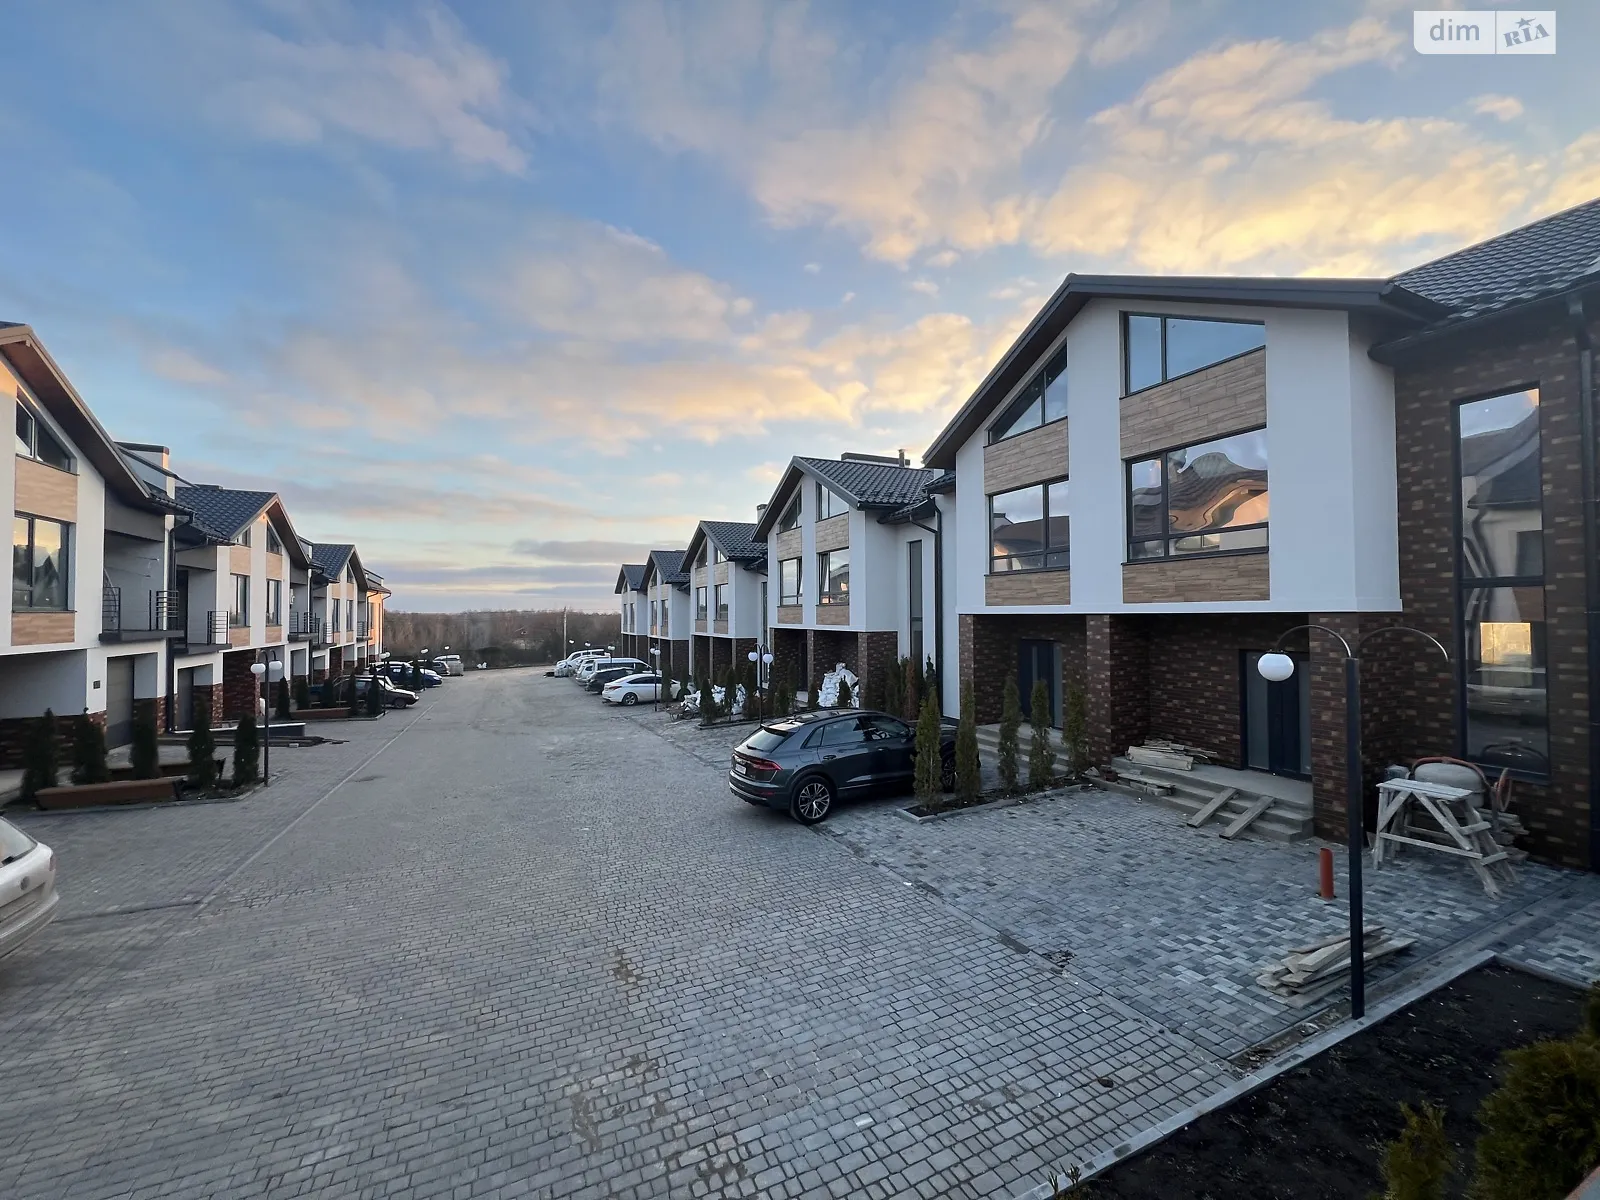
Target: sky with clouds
{"type": "Point", "coordinates": [507, 293]}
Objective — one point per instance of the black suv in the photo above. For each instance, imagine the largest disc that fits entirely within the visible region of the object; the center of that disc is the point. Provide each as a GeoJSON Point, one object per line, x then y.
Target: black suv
{"type": "Point", "coordinates": [805, 763]}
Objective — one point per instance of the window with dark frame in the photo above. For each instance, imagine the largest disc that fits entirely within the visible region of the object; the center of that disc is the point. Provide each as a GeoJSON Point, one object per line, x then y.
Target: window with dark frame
{"type": "Point", "coordinates": [830, 503]}
{"type": "Point", "coordinates": [1504, 704]}
{"type": "Point", "coordinates": [791, 513]}
{"type": "Point", "coordinates": [1157, 348]}
{"type": "Point", "coordinates": [914, 598]}
{"type": "Point", "coordinates": [789, 581]}
{"type": "Point", "coordinates": [239, 614]}
{"type": "Point", "coordinates": [39, 556]}
{"type": "Point", "coordinates": [833, 577]}
{"type": "Point", "coordinates": [1042, 401]}
{"type": "Point", "coordinates": [1207, 498]}
{"type": "Point", "coordinates": [1029, 528]}
{"type": "Point", "coordinates": [274, 545]}
{"type": "Point", "coordinates": [719, 598]}
{"type": "Point", "coordinates": [274, 602]}
{"type": "Point", "coordinates": [699, 604]}
{"type": "Point", "coordinates": [35, 441]}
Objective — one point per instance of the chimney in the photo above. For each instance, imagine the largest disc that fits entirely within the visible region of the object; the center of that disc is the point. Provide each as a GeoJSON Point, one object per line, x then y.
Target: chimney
{"type": "Point", "coordinates": [760, 508]}
{"type": "Point", "coordinates": [903, 459]}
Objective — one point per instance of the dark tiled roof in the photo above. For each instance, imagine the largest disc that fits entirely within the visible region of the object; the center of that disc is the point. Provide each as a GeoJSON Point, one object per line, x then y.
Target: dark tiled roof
{"type": "Point", "coordinates": [631, 576]}
{"type": "Point", "coordinates": [330, 557]}
{"type": "Point", "coordinates": [224, 511]}
{"type": "Point", "coordinates": [873, 485]}
{"type": "Point", "coordinates": [669, 565]}
{"type": "Point", "coordinates": [738, 540]}
{"type": "Point", "coordinates": [1541, 259]}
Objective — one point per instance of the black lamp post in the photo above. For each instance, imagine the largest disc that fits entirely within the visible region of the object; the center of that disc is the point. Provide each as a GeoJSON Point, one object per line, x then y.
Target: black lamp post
{"type": "Point", "coordinates": [1277, 666]}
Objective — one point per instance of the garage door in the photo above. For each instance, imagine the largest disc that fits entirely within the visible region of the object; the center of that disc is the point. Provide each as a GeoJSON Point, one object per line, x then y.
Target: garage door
{"type": "Point", "coordinates": [119, 701]}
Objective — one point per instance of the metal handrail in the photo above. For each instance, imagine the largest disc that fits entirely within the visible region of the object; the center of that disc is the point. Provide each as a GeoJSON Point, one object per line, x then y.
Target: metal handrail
{"type": "Point", "coordinates": [111, 609]}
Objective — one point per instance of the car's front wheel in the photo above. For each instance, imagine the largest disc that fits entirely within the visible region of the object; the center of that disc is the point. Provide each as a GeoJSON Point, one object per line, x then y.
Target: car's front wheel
{"type": "Point", "coordinates": [947, 774]}
{"type": "Point", "coordinates": [630, 699]}
{"type": "Point", "coordinates": [813, 800]}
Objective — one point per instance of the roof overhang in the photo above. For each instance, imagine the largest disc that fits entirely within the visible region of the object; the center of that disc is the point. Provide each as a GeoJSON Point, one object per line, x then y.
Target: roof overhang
{"type": "Point", "coordinates": [31, 362]}
{"type": "Point", "coordinates": [1585, 292]}
{"type": "Point", "coordinates": [792, 475]}
{"type": "Point", "coordinates": [1378, 297]}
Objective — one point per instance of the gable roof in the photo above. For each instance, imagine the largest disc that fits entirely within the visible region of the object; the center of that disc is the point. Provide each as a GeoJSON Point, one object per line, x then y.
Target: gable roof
{"type": "Point", "coordinates": [1549, 256]}
{"type": "Point", "coordinates": [669, 565]}
{"type": "Point", "coordinates": [30, 362]}
{"type": "Point", "coordinates": [865, 484]}
{"type": "Point", "coordinates": [330, 557]}
{"type": "Point", "coordinates": [736, 539]}
{"type": "Point", "coordinates": [223, 511]}
{"type": "Point", "coordinates": [630, 578]}
{"type": "Point", "coordinates": [1381, 297]}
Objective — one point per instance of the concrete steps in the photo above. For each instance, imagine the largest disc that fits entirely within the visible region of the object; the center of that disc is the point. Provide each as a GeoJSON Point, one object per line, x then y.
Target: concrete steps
{"type": "Point", "coordinates": [1284, 821]}
{"type": "Point", "coordinates": [989, 748]}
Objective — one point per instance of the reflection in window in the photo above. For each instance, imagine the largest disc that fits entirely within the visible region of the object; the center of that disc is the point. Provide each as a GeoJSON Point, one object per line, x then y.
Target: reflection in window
{"type": "Point", "coordinates": [1156, 349]}
{"type": "Point", "coordinates": [720, 599]}
{"type": "Point", "coordinates": [789, 581]}
{"type": "Point", "coordinates": [830, 504]}
{"type": "Point", "coordinates": [699, 604]}
{"type": "Point", "coordinates": [833, 577]}
{"type": "Point", "coordinates": [1500, 566]}
{"type": "Point", "coordinates": [38, 564]}
{"type": "Point", "coordinates": [1201, 499]}
{"type": "Point", "coordinates": [1043, 400]}
{"type": "Point", "coordinates": [791, 514]}
{"type": "Point", "coordinates": [1029, 528]}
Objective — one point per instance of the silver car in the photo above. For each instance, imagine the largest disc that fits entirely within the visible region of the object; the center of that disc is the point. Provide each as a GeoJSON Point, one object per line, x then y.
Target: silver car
{"type": "Point", "coordinates": [28, 894]}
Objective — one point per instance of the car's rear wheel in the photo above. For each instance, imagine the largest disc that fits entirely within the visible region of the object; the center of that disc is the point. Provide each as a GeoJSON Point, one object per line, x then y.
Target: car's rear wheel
{"type": "Point", "coordinates": [947, 774]}
{"type": "Point", "coordinates": [813, 800]}
{"type": "Point", "coordinates": [630, 698]}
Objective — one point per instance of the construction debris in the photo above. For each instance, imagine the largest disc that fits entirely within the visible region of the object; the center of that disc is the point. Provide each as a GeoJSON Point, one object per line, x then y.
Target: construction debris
{"type": "Point", "coordinates": [1309, 972]}
{"type": "Point", "coordinates": [1175, 756]}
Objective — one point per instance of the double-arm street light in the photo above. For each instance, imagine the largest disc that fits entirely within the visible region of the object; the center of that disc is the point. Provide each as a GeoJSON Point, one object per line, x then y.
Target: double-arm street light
{"type": "Point", "coordinates": [1277, 667]}
{"type": "Point", "coordinates": [267, 674]}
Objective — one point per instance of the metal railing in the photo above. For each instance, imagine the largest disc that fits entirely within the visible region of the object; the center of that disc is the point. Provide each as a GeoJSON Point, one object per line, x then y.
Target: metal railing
{"type": "Point", "coordinates": [164, 613]}
{"type": "Point", "coordinates": [215, 632]}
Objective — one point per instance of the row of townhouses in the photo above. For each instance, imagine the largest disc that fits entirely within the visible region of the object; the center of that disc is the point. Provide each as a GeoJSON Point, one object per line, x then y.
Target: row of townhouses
{"type": "Point", "coordinates": [1164, 478]}
{"type": "Point", "coordinates": [135, 592]}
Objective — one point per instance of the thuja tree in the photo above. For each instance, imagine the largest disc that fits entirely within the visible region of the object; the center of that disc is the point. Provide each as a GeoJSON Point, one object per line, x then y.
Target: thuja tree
{"type": "Point", "coordinates": [88, 752]}
{"type": "Point", "coordinates": [845, 700]}
{"type": "Point", "coordinates": [374, 698]}
{"type": "Point", "coordinates": [708, 701]}
{"type": "Point", "coordinates": [814, 693]}
{"type": "Point", "coordinates": [145, 753]}
{"type": "Point", "coordinates": [894, 687]}
{"type": "Point", "coordinates": [302, 692]}
{"type": "Point", "coordinates": [1041, 754]}
{"type": "Point", "coordinates": [1075, 735]}
{"type": "Point", "coordinates": [41, 756]}
{"type": "Point", "coordinates": [969, 783]}
{"type": "Point", "coordinates": [1010, 722]}
{"type": "Point", "coordinates": [202, 749]}
{"type": "Point", "coordinates": [283, 711]}
{"type": "Point", "coordinates": [246, 751]}
{"type": "Point", "coordinates": [929, 764]}
{"type": "Point", "coordinates": [752, 704]}
{"type": "Point", "coordinates": [783, 697]}
{"type": "Point", "coordinates": [911, 692]}
{"type": "Point", "coordinates": [930, 686]}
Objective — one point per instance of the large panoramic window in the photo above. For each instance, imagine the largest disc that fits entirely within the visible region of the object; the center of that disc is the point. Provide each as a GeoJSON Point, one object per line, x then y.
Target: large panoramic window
{"type": "Point", "coordinates": [1041, 401]}
{"type": "Point", "coordinates": [239, 614]}
{"type": "Point", "coordinates": [1500, 574]}
{"type": "Point", "coordinates": [791, 514]}
{"type": "Point", "coordinates": [699, 604]}
{"type": "Point", "coordinates": [830, 504]}
{"type": "Point", "coordinates": [1156, 349]}
{"type": "Point", "coordinates": [39, 564]}
{"type": "Point", "coordinates": [1200, 499]}
{"type": "Point", "coordinates": [789, 581]}
{"type": "Point", "coordinates": [274, 602]}
{"type": "Point", "coordinates": [833, 577]}
{"type": "Point", "coordinates": [1028, 528]}
{"type": "Point", "coordinates": [35, 441]}
{"type": "Point", "coordinates": [274, 544]}
{"type": "Point", "coordinates": [720, 600]}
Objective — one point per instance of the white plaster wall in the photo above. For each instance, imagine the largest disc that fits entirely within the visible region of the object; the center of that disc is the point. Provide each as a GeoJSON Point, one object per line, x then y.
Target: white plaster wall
{"type": "Point", "coordinates": [57, 680]}
{"type": "Point", "coordinates": [1377, 502]}
{"type": "Point", "coordinates": [744, 605]}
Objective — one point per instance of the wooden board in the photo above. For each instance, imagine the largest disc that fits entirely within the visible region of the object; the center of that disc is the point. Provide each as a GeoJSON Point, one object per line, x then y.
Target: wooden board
{"type": "Point", "coordinates": [1211, 807]}
{"type": "Point", "coordinates": [1243, 820]}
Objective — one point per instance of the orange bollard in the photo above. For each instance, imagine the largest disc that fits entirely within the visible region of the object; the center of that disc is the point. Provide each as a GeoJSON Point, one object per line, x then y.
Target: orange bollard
{"type": "Point", "coordinates": [1325, 874]}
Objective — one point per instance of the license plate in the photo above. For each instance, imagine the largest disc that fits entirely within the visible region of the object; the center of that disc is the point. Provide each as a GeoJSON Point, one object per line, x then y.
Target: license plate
{"type": "Point", "coordinates": [741, 768]}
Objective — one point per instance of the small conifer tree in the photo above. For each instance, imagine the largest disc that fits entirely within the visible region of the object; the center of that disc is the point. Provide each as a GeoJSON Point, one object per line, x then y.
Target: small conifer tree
{"type": "Point", "coordinates": [41, 756]}
{"type": "Point", "coordinates": [145, 753]}
{"type": "Point", "coordinates": [1041, 754]}
{"type": "Point", "coordinates": [88, 752]}
{"type": "Point", "coordinates": [302, 692]}
{"type": "Point", "coordinates": [1075, 736]}
{"type": "Point", "coordinates": [846, 700]}
{"type": "Point", "coordinates": [969, 782]}
{"type": "Point", "coordinates": [202, 749]}
{"type": "Point", "coordinates": [1010, 722]}
{"type": "Point", "coordinates": [283, 711]}
{"type": "Point", "coordinates": [246, 752]}
{"type": "Point", "coordinates": [930, 765]}
{"type": "Point", "coordinates": [911, 692]}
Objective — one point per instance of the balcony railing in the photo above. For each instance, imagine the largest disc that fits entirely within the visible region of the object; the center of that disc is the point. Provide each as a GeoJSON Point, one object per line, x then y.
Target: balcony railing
{"type": "Point", "coordinates": [362, 633]}
{"type": "Point", "coordinates": [213, 632]}
{"type": "Point", "coordinates": [162, 614]}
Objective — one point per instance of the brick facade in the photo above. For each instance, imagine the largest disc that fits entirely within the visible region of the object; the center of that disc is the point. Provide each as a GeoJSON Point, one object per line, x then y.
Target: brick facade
{"type": "Point", "coordinates": [239, 687]}
{"type": "Point", "coordinates": [14, 732]}
{"type": "Point", "coordinates": [1513, 354]}
{"type": "Point", "coordinates": [208, 694]}
{"type": "Point", "coordinates": [790, 657]}
{"type": "Point", "coordinates": [879, 654]}
{"type": "Point", "coordinates": [987, 654]}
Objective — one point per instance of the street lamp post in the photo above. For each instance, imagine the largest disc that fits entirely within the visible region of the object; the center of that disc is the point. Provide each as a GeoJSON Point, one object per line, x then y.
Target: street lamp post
{"type": "Point", "coordinates": [267, 674]}
{"type": "Point", "coordinates": [1276, 667]}
{"type": "Point", "coordinates": [762, 657]}
{"type": "Point", "coordinates": [655, 653]}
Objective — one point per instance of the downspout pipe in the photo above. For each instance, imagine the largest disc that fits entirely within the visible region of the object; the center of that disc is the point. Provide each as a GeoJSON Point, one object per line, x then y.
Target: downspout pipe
{"type": "Point", "coordinates": [1591, 551]}
{"type": "Point", "coordinates": [937, 529]}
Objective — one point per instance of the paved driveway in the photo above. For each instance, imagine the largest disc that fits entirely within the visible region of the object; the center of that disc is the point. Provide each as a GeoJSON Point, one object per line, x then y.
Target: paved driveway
{"type": "Point", "coordinates": [512, 945]}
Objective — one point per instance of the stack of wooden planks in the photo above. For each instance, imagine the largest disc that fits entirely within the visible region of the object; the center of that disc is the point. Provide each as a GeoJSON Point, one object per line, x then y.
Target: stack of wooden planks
{"type": "Point", "coordinates": [1310, 972]}
{"type": "Point", "coordinates": [1175, 756]}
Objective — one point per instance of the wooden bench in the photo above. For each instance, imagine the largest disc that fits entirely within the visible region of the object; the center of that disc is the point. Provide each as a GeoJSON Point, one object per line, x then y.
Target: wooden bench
{"type": "Point", "coordinates": [118, 791]}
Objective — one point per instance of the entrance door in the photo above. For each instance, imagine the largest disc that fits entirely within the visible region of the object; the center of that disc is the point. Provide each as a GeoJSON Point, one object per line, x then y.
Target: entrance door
{"type": "Point", "coordinates": [1037, 660]}
{"type": "Point", "coordinates": [119, 701]}
{"type": "Point", "coordinates": [1277, 718]}
{"type": "Point", "coordinates": [185, 699]}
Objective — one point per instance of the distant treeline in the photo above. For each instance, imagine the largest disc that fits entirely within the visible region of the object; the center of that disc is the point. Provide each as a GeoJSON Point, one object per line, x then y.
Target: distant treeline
{"type": "Point", "coordinates": [502, 638]}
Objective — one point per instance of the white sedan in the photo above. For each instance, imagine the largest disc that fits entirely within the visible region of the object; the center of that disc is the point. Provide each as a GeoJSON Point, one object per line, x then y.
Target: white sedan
{"type": "Point", "coordinates": [631, 689]}
{"type": "Point", "coordinates": [28, 895]}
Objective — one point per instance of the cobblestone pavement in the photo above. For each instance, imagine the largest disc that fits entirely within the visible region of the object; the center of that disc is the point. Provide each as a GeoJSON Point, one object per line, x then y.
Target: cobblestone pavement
{"type": "Point", "coordinates": [533, 948]}
{"type": "Point", "coordinates": [1176, 922]}
{"type": "Point", "coordinates": [1568, 946]}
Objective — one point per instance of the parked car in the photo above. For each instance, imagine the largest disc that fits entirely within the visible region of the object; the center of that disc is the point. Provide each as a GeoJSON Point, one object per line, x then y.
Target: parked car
{"type": "Point", "coordinates": [805, 764]}
{"type": "Point", "coordinates": [587, 670]}
{"type": "Point", "coordinates": [400, 672]}
{"type": "Point", "coordinates": [570, 664]}
{"type": "Point", "coordinates": [597, 681]}
{"type": "Point", "coordinates": [393, 696]}
{"type": "Point", "coordinates": [28, 896]}
{"type": "Point", "coordinates": [630, 689]}
{"type": "Point", "coordinates": [449, 664]}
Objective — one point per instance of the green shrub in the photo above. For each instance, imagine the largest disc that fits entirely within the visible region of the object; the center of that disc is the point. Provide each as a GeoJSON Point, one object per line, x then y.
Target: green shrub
{"type": "Point", "coordinates": [708, 701]}
{"type": "Point", "coordinates": [1541, 1128]}
{"type": "Point", "coordinates": [911, 692]}
{"type": "Point", "coordinates": [1075, 735]}
{"type": "Point", "coordinates": [302, 692]}
{"type": "Point", "coordinates": [1416, 1165]}
{"type": "Point", "coordinates": [969, 782]}
{"type": "Point", "coordinates": [88, 752]}
{"type": "Point", "coordinates": [927, 782]}
{"type": "Point", "coordinates": [783, 702]}
{"type": "Point", "coordinates": [814, 693]}
{"type": "Point", "coordinates": [930, 686]}
{"type": "Point", "coordinates": [1041, 754]}
{"type": "Point", "coordinates": [846, 700]}
{"type": "Point", "coordinates": [40, 757]}
{"type": "Point", "coordinates": [246, 752]}
{"type": "Point", "coordinates": [894, 688]}
{"type": "Point", "coordinates": [1010, 722]}
{"type": "Point", "coordinates": [374, 698]}
{"type": "Point", "coordinates": [202, 749]}
{"type": "Point", "coordinates": [283, 712]}
{"type": "Point", "coordinates": [145, 753]}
